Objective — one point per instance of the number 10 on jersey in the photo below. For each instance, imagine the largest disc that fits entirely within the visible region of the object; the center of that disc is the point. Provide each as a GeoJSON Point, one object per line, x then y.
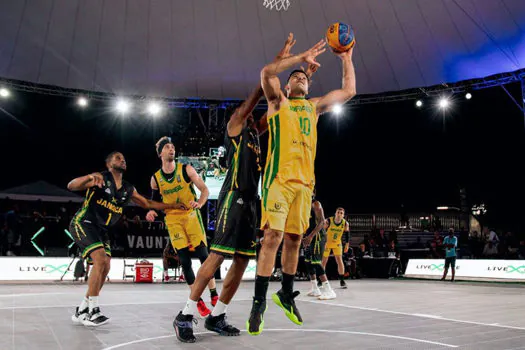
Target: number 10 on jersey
{"type": "Point", "coordinates": [305, 125]}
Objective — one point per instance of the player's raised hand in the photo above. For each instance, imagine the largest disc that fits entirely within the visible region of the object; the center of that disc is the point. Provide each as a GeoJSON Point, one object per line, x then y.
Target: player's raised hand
{"type": "Point", "coordinates": [151, 215]}
{"type": "Point", "coordinates": [310, 55]}
{"type": "Point", "coordinates": [285, 51]}
{"type": "Point", "coordinates": [312, 68]}
{"type": "Point", "coordinates": [345, 54]}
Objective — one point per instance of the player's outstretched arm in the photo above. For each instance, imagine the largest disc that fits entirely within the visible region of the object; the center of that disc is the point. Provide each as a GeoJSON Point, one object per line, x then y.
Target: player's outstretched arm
{"type": "Point", "coordinates": [84, 182]}
{"type": "Point", "coordinates": [269, 74]}
{"type": "Point", "coordinates": [347, 91]}
{"type": "Point", "coordinates": [242, 112]}
{"type": "Point", "coordinates": [138, 199]}
{"type": "Point", "coordinates": [197, 180]}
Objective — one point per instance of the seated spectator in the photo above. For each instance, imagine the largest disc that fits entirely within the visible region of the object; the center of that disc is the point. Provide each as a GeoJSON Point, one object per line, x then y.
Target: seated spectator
{"type": "Point", "coordinates": [521, 250]}
{"type": "Point", "coordinates": [490, 250]}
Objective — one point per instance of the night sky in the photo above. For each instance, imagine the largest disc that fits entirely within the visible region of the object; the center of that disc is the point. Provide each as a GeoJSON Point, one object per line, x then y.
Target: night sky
{"type": "Point", "coordinates": [396, 153]}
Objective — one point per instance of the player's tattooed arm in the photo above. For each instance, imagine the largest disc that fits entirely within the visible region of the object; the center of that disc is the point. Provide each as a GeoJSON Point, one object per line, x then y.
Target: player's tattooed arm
{"type": "Point", "coordinates": [84, 182]}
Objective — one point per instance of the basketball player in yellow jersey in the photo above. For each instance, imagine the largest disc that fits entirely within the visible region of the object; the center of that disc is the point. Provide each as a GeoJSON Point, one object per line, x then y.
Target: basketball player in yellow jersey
{"type": "Point", "coordinates": [289, 174]}
{"type": "Point", "coordinates": [336, 227]}
{"type": "Point", "coordinates": [173, 183]}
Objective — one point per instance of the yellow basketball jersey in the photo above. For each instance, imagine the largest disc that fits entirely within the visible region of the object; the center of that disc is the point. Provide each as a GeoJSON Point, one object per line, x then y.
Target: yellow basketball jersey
{"type": "Point", "coordinates": [334, 232]}
{"type": "Point", "coordinates": [176, 190]}
{"type": "Point", "coordinates": [292, 143]}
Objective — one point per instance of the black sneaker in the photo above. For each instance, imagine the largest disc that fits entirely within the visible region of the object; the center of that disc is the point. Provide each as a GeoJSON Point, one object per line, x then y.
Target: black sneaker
{"type": "Point", "coordinates": [343, 284]}
{"type": "Point", "coordinates": [219, 325]}
{"type": "Point", "coordinates": [79, 316]}
{"type": "Point", "coordinates": [183, 325]}
{"type": "Point", "coordinates": [287, 303]}
{"type": "Point", "coordinates": [255, 323]}
{"type": "Point", "coordinates": [95, 318]}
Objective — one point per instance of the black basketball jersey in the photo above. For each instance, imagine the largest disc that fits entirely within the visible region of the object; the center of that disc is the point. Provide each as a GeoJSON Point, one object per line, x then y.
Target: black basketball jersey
{"type": "Point", "coordinates": [243, 161]}
{"type": "Point", "coordinates": [104, 206]}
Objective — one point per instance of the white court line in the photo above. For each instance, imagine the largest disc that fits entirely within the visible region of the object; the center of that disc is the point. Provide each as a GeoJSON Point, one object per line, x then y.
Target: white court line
{"type": "Point", "coordinates": [295, 330]}
{"type": "Point", "coordinates": [416, 315]}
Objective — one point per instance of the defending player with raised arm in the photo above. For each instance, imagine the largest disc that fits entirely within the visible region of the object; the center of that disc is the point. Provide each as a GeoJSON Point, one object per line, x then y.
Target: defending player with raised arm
{"type": "Point", "coordinates": [106, 196]}
{"type": "Point", "coordinates": [235, 233]}
{"type": "Point", "coordinates": [173, 183]}
{"type": "Point", "coordinates": [289, 174]}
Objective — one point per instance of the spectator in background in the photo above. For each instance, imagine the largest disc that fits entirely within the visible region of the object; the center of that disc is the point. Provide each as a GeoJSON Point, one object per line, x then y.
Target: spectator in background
{"type": "Point", "coordinates": [521, 250]}
{"type": "Point", "coordinates": [490, 251]}
{"type": "Point", "coordinates": [450, 243]}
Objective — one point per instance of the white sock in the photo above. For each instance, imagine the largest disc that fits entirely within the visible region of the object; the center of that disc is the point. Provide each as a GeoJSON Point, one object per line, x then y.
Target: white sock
{"type": "Point", "coordinates": [165, 273]}
{"type": "Point", "coordinates": [93, 303]}
{"type": "Point", "coordinates": [84, 304]}
{"type": "Point", "coordinates": [190, 308]}
{"type": "Point", "coordinates": [327, 286]}
{"type": "Point", "coordinates": [314, 284]}
{"type": "Point", "coordinates": [219, 309]}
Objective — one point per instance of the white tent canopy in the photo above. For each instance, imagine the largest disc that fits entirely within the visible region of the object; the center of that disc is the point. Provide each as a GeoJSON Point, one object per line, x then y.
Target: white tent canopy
{"type": "Point", "coordinates": [42, 191]}
{"type": "Point", "coordinates": [215, 49]}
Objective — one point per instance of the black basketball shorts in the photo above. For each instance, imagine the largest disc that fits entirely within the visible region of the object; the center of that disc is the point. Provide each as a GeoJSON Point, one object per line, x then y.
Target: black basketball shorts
{"type": "Point", "coordinates": [89, 238]}
{"type": "Point", "coordinates": [236, 225]}
{"type": "Point", "coordinates": [313, 254]}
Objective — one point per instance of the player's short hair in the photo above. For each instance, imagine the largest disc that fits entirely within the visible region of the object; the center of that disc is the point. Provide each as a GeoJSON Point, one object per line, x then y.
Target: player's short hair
{"type": "Point", "coordinates": [295, 71]}
{"type": "Point", "coordinates": [163, 141]}
{"type": "Point", "coordinates": [110, 156]}
{"type": "Point", "coordinates": [340, 208]}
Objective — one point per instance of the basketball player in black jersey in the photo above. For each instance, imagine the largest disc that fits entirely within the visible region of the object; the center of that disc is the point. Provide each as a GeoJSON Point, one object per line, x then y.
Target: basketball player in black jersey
{"type": "Point", "coordinates": [236, 230]}
{"type": "Point", "coordinates": [236, 221]}
{"type": "Point", "coordinates": [314, 243]}
{"type": "Point", "coordinates": [107, 194]}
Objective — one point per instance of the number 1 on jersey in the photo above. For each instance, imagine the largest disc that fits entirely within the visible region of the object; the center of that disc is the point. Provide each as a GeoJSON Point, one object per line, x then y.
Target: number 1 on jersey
{"type": "Point", "coordinates": [109, 219]}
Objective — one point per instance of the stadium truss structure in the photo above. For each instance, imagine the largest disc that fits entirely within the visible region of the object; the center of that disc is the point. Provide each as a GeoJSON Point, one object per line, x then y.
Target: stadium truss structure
{"type": "Point", "coordinates": [501, 79]}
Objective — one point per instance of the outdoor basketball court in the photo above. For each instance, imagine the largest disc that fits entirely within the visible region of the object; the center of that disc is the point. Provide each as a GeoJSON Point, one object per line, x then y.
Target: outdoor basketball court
{"type": "Point", "coordinates": [371, 314]}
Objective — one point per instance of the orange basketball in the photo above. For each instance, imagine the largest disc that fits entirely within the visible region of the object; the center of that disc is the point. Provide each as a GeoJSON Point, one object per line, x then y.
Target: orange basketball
{"type": "Point", "coordinates": [340, 37]}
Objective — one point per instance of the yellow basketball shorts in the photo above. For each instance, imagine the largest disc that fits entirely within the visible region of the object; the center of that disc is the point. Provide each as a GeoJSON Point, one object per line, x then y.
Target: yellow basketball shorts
{"type": "Point", "coordinates": [286, 207]}
{"type": "Point", "coordinates": [336, 250]}
{"type": "Point", "coordinates": [186, 230]}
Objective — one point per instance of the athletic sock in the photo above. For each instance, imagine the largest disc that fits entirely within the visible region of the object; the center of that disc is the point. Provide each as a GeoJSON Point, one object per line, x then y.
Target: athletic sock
{"type": "Point", "coordinates": [219, 309]}
{"type": "Point", "coordinates": [84, 304]}
{"type": "Point", "coordinates": [261, 287]}
{"type": "Point", "coordinates": [326, 285]}
{"type": "Point", "coordinates": [93, 303]}
{"type": "Point", "coordinates": [287, 283]}
{"type": "Point", "coordinates": [314, 284]}
{"type": "Point", "coordinates": [213, 292]}
{"type": "Point", "coordinates": [342, 278]}
{"type": "Point", "coordinates": [190, 308]}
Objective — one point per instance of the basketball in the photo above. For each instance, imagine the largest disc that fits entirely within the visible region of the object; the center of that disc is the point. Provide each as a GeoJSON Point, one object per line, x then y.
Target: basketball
{"type": "Point", "coordinates": [340, 37]}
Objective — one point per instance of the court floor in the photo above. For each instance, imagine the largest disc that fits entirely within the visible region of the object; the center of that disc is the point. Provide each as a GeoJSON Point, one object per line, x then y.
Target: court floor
{"type": "Point", "coordinates": [370, 314]}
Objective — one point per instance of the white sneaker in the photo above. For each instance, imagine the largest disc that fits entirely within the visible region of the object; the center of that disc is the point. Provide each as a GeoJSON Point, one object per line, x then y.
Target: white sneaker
{"type": "Point", "coordinates": [95, 318]}
{"type": "Point", "coordinates": [314, 292]}
{"type": "Point", "coordinates": [327, 295]}
{"type": "Point", "coordinates": [79, 316]}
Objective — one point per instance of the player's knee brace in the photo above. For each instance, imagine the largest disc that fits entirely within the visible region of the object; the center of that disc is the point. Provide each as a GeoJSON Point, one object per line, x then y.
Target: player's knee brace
{"type": "Point", "coordinates": [185, 262]}
{"type": "Point", "coordinates": [319, 270]}
{"type": "Point", "coordinates": [202, 253]}
{"type": "Point", "coordinates": [311, 269]}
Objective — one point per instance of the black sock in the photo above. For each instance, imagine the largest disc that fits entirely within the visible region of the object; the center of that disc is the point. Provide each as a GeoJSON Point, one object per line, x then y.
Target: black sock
{"type": "Point", "coordinates": [261, 287]}
{"type": "Point", "coordinates": [213, 292]}
{"type": "Point", "coordinates": [287, 283]}
{"type": "Point", "coordinates": [342, 278]}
